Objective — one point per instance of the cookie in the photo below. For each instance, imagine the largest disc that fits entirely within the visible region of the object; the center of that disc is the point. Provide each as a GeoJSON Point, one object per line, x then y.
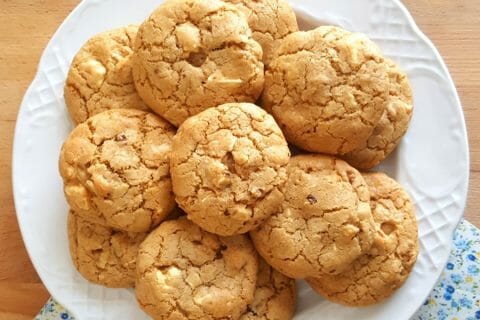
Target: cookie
{"type": "Point", "coordinates": [100, 76]}
{"type": "Point", "coordinates": [375, 276]}
{"type": "Point", "coordinates": [101, 254]}
{"type": "Point", "coordinates": [184, 272]}
{"type": "Point", "coordinates": [228, 164]}
{"type": "Point", "coordinates": [275, 296]}
{"type": "Point", "coordinates": [116, 172]}
{"type": "Point", "coordinates": [325, 222]}
{"type": "Point", "coordinates": [194, 54]}
{"type": "Point", "coordinates": [327, 88]}
{"type": "Point", "coordinates": [270, 21]}
{"type": "Point", "coordinates": [392, 125]}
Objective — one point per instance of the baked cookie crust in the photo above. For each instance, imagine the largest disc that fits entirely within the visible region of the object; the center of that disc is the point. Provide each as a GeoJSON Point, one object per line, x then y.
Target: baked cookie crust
{"type": "Point", "coordinates": [228, 164]}
{"type": "Point", "coordinates": [194, 54]}
{"type": "Point", "coordinates": [325, 222]}
{"type": "Point", "coordinates": [100, 76]}
{"type": "Point", "coordinates": [378, 274]}
{"type": "Point", "coordinates": [116, 172]}
{"type": "Point", "coordinates": [184, 272]}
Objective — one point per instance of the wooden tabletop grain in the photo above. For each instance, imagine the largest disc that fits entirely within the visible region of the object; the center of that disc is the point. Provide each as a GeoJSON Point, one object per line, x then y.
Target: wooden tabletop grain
{"type": "Point", "coordinates": [27, 25]}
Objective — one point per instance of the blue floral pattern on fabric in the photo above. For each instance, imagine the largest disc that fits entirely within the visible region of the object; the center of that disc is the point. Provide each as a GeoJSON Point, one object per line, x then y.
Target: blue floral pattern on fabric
{"type": "Point", "coordinates": [53, 311]}
{"type": "Point", "coordinates": [456, 296]}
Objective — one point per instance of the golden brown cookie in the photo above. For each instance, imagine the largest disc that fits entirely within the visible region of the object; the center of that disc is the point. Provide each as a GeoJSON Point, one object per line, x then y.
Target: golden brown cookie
{"type": "Point", "coordinates": [184, 272]}
{"type": "Point", "coordinates": [327, 88]}
{"type": "Point", "coordinates": [100, 77]}
{"type": "Point", "coordinates": [376, 275]}
{"type": "Point", "coordinates": [275, 296]}
{"type": "Point", "coordinates": [101, 254]}
{"type": "Point", "coordinates": [325, 222]}
{"type": "Point", "coordinates": [116, 172]}
{"type": "Point", "coordinates": [392, 125]}
{"type": "Point", "coordinates": [228, 164]}
{"type": "Point", "coordinates": [270, 21]}
{"type": "Point", "coordinates": [195, 54]}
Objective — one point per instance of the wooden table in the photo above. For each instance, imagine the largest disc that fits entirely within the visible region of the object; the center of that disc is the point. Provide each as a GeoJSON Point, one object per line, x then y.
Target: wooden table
{"type": "Point", "coordinates": [27, 25]}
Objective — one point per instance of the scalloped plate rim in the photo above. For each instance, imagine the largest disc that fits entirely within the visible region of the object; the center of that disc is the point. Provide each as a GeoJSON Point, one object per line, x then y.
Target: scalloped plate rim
{"type": "Point", "coordinates": [16, 143]}
{"type": "Point", "coordinates": [459, 106]}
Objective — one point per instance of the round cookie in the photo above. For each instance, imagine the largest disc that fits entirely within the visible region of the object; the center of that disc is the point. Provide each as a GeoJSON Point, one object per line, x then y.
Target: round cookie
{"type": "Point", "coordinates": [275, 296]}
{"type": "Point", "coordinates": [392, 125]}
{"type": "Point", "coordinates": [228, 164]}
{"type": "Point", "coordinates": [206, 56]}
{"type": "Point", "coordinates": [116, 172]}
{"type": "Point", "coordinates": [325, 222]}
{"type": "Point", "coordinates": [375, 276]}
{"type": "Point", "coordinates": [101, 254]}
{"type": "Point", "coordinates": [100, 76]}
{"type": "Point", "coordinates": [184, 272]}
{"type": "Point", "coordinates": [327, 88]}
{"type": "Point", "coordinates": [270, 21]}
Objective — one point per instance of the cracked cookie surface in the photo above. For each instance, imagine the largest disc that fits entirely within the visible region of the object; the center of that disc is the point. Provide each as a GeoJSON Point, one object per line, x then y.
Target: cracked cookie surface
{"type": "Point", "coordinates": [184, 272]}
{"type": "Point", "coordinates": [195, 54]}
{"type": "Point", "coordinates": [392, 125]}
{"type": "Point", "coordinates": [228, 164]}
{"type": "Point", "coordinates": [100, 76]}
{"type": "Point", "coordinates": [325, 222]}
{"type": "Point", "coordinates": [116, 172]}
{"type": "Point", "coordinates": [101, 254]}
{"type": "Point", "coordinates": [327, 88]}
{"type": "Point", "coordinates": [376, 275]}
{"type": "Point", "coordinates": [270, 21]}
{"type": "Point", "coordinates": [275, 296]}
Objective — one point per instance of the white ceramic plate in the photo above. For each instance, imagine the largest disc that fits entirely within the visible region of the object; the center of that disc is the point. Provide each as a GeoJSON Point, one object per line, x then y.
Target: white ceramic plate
{"type": "Point", "coordinates": [432, 162]}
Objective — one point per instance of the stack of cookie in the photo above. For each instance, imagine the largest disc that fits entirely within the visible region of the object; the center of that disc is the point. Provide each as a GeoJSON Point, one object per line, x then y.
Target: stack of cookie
{"type": "Point", "coordinates": [179, 185]}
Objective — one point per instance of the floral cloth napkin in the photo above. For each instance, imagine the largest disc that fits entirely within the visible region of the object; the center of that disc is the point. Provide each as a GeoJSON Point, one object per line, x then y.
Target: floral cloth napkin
{"type": "Point", "coordinates": [456, 296]}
